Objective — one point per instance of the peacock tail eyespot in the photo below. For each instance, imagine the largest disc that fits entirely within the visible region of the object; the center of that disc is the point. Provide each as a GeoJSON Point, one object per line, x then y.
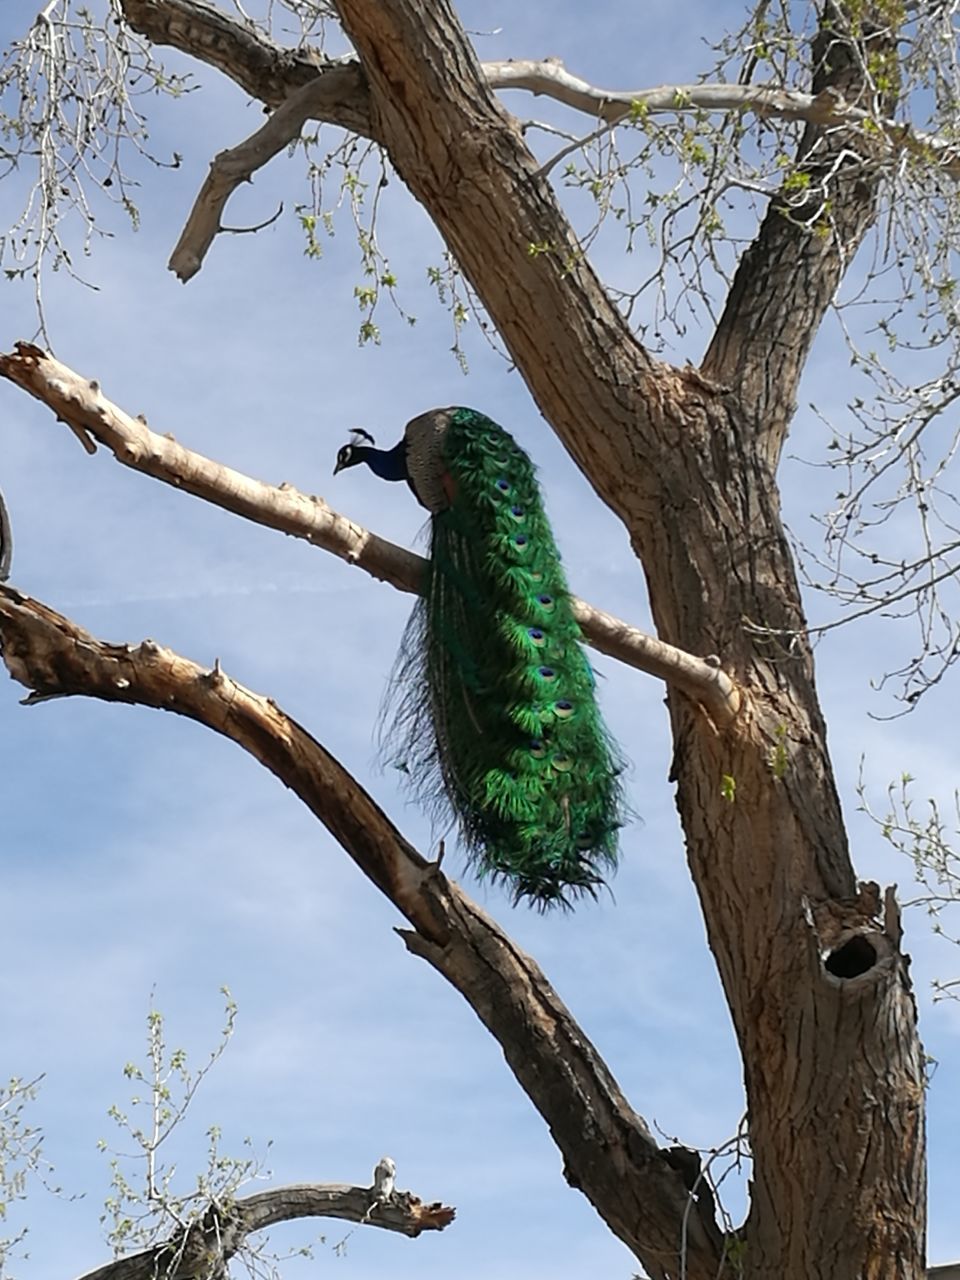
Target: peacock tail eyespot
{"type": "Point", "coordinates": [518, 513]}
{"type": "Point", "coordinates": [563, 709]}
{"type": "Point", "coordinates": [546, 673]}
{"type": "Point", "coordinates": [562, 764]}
{"type": "Point", "coordinates": [537, 749]}
{"type": "Point", "coordinates": [537, 637]}
{"type": "Point", "coordinates": [520, 541]}
{"type": "Point", "coordinates": [545, 601]}
{"type": "Point", "coordinates": [503, 485]}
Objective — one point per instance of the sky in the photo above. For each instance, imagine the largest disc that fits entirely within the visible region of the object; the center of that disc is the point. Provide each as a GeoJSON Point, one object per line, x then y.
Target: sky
{"type": "Point", "coordinates": [147, 862]}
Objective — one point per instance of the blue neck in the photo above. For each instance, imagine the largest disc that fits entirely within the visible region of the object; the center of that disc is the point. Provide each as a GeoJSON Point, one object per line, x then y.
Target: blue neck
{"type": "Point", "coordinates": [388, 464]}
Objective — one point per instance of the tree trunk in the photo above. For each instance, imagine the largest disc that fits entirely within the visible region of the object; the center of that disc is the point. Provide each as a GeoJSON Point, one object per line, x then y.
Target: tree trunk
{"type": "Point", "coordinates": [811, 966]}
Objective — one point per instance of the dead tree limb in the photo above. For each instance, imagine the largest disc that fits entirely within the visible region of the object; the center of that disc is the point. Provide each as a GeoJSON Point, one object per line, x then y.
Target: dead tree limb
{"type": "Point", "coordinates": [208, 1244]}
{"type": "Point", "coordinates": [608, 1151]}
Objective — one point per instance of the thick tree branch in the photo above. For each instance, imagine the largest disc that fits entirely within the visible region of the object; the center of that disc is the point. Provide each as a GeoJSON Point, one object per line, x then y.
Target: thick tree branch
{"type": "Point", "coordinates": [607, 1149]}
{"type": "Point", "coordinates": [80, 403]}
{"type": "Point", "coordinates": [209, 1244]}
{"type": "Point", "coordinates": [261, 67]}
{"type": "Point", "coordinates": [789, 276]}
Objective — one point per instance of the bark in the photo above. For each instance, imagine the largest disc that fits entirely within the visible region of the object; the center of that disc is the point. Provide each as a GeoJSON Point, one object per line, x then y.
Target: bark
{"type": "Point", "coordinates": [607, 1148]}
{"type": "Point", "coordinates": [832, 1063]}
{"type": "Point", "coordinates": [204, 1249]}
{"type": "Point", "coordinates": [810, 961]}
{"type": "Point", "coordinates": [831, 1059]}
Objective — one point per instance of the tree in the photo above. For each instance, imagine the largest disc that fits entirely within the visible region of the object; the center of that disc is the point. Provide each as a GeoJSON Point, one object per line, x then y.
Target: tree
{"type": "Point", "coordinates": [686, 458]}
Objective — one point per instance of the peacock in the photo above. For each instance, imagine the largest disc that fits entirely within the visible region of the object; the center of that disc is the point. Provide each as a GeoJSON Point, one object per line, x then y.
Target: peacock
{"type": "Point", "coordinates": [495, 714]}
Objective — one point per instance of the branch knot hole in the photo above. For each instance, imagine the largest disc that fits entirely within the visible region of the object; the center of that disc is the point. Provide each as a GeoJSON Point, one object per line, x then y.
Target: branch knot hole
{"type": "Point", "coordinates": [855, 956]}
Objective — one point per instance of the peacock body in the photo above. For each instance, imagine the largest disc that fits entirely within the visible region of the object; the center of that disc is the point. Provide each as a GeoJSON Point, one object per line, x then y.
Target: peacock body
{"type": "Point", "coordinates": [496, 716]}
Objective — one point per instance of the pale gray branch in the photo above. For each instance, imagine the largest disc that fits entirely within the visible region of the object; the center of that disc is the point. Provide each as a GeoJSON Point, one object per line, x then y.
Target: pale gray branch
{"type": "Point", "coordinates": [272, 72]}
{"type": "Point", "coordinates": [80, 403]}
{"type": "Point", "coordinates": [312, 101]}
{"type": "Point", "coordinates": [319, 100]}
{"type": "Point", "coordinates": [550, 78]}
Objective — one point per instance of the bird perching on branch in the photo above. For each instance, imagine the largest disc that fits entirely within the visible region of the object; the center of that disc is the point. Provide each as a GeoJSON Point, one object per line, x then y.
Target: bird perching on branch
{"type": "Point", "coordinates": [496, 715]}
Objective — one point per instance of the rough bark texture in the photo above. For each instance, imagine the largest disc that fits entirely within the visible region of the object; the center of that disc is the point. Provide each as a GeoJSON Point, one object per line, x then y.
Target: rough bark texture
{"type": "Point", "coordinates": [608, 1150]}
{"type": "Point", "coordinates": [810, 961]}
{"type": "Point", "coordinates": [203, 1251]}
{"type": "Point", "coordinates": [831, 1062]}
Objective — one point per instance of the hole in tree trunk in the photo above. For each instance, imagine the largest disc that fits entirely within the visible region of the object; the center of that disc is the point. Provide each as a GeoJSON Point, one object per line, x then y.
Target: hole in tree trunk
{"type": "Point", "coordinates": [856, 956]}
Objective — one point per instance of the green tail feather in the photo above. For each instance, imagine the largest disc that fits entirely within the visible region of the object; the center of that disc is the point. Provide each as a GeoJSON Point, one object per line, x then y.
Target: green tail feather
{"type": "Point", "coordinates": [497, 717]}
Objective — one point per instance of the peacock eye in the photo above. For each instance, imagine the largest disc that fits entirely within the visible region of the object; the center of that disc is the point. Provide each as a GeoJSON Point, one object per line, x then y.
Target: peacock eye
{"type": "Point", "coordinates": [517, 512]}
{"type": "Point", "coordinates": [546, 601]}
{"type": "Point", "coordinates": [537, 636]}
{"type": "Point", "coordinates": [520, 540]}
{"type": "Point", "coordinates": [563, 709]}
{"type": "Point", "coordinates": [562, 764]}
{"type": "Point", "coordinates": [546, 673]}
{"type": "Point", "coordinates": [537, 749]}
{"type": "Point", "coordinates": [503, 485]}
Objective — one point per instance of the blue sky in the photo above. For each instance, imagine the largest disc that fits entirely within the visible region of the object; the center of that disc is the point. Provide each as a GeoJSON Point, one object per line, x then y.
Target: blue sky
{"type": "Point", "coordinates": [141, 852]}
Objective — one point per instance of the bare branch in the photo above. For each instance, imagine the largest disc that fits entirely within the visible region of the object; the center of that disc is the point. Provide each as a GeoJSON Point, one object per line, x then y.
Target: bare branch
{"type": "Point", "coordinates": [608, 1150]}
{"type": "Point", "coordinates": [272, 72]}
{"type": "Point", "coordinates": [80, 403]}
{"type": "Point", "coordinates": [321, 99]}
{"type": "Point", "coordinates": [550, 78]}
{"type": "Point", "coordinates": [228, 170]}
{"type": "Point", "coordinates": [215, 1238]}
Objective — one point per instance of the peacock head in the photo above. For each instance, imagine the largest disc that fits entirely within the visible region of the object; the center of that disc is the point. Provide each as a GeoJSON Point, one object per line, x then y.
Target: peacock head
{"type": "Point", "coordinates": [349, 455]}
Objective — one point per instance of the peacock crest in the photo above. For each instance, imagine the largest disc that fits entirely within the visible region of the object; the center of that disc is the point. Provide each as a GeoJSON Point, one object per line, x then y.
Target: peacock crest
{"type": "Point", "coordinates": [494, 711]}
